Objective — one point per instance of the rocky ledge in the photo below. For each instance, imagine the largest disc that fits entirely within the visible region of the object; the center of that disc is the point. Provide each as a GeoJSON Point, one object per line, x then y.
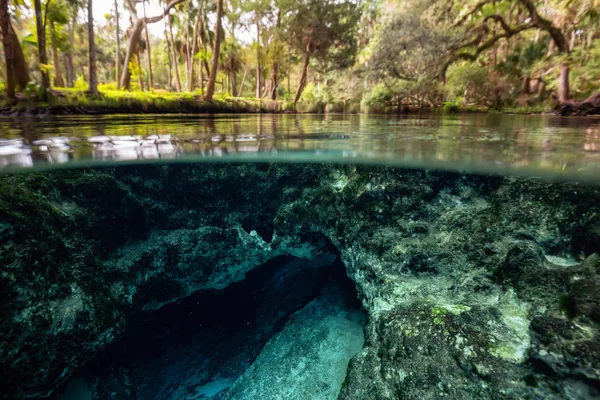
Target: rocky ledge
{"type": "Point", "coordinates": [474, 287]}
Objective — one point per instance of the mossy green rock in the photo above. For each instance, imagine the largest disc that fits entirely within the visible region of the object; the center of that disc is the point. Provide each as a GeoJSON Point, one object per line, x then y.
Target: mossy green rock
{"type": "Point", "coordinates": [451, 269]}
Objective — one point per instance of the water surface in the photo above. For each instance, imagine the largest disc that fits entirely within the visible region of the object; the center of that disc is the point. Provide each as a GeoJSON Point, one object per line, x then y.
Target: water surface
{"type": "Point", "coordinates": [567, 148]}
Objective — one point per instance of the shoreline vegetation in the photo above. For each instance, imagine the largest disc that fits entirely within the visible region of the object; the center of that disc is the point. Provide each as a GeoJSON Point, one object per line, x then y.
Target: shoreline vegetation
{"type": "Point", "coordinates": [305, 56]}
{"type": "Point", "coordinates": [111, 102]}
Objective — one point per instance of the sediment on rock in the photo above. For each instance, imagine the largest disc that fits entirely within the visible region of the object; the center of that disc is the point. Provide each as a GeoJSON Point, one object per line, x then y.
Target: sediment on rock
{"type": "Point", "coordinates": [466, 280]}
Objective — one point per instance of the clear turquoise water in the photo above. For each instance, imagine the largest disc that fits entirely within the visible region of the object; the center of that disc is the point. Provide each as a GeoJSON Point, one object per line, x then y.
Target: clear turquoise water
{"type": "Point", "coordinates": [557, 147]}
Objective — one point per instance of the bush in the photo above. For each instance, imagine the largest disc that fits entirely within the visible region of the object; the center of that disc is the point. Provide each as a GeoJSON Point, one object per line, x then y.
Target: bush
{"type": "Point", "coordinates": [105, 87]}
{"type": "Point", "coordinates": [379, 96]}
{"type": "Point", "coordinates": [468, 84]}
{"type": "Point", "coordinates": [452, 107]}
{"type": "Point", "coordinates": [80, 83]}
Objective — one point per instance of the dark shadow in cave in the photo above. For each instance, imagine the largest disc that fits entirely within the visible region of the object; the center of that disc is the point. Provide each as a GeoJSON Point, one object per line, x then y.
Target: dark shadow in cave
{"type": "Point", "coordinates": [211, 336]}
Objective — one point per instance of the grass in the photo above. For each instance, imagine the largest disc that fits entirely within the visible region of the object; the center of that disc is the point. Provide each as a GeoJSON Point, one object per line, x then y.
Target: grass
{"type": "Point", "coordinates": [65, 101]}
{"type": "Point", "coordinates": [111, 101]}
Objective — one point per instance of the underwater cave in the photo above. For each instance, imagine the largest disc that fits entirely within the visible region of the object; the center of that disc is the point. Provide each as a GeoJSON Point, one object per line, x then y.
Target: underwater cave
{"type": "Point", "coordinates": [231, 343]}
{"type": "Point", "coordinates": [248, 281]}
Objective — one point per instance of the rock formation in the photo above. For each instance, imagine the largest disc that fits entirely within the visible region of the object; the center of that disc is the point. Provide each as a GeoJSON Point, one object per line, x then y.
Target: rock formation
{"type": "Point", "coordinates": [474, 287]}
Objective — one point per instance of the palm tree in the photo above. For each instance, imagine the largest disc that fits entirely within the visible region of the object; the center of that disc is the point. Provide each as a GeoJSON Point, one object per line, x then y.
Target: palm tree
{"type": "Point", "coordinates": [231, 63]}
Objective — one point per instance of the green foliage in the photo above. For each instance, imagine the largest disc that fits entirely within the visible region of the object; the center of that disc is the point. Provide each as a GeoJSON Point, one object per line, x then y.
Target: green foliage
{"type": "Point", "coordinates": [327, 29]}
{"type": "Point", "coordinates": [81, 83]}
{"type": "Point", "coordinates": [452, 107]}
{"type": "Point", "coordinates": [107, 87]}
{"type": "Point", "coordinates": [317, 94]}
{"type": "Point", "coordinates": [378, 53]}
{"type": "Point", "coordinates": [136, 74]}
{"type": "Point", "coordinates": [586, 78]}
{"type": "Point", "coordinates": [379, 95]}
{"type": "Point", "coordinates": [468, 84]}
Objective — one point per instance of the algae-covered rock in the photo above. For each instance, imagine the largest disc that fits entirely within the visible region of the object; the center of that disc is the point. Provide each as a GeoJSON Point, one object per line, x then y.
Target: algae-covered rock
{"type": "Point", "coordinates": [432, 352]}
{"type": "Point", "coordinates": [450, 269]}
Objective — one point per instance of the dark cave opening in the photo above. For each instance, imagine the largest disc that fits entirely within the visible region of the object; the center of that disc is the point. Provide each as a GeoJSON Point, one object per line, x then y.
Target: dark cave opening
{"type": "Point", "coordinates": [203, 343]}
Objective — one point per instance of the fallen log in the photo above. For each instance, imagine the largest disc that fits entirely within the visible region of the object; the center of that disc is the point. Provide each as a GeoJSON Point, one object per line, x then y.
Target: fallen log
{"type": "Point", "coordinates": [589, 106]}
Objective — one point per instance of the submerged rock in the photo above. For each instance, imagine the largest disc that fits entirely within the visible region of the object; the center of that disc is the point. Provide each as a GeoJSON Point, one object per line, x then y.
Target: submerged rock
{"type": "Point", "coordinates": [472, 285]}
{"type": "Point", "coordinates": [309, 357]}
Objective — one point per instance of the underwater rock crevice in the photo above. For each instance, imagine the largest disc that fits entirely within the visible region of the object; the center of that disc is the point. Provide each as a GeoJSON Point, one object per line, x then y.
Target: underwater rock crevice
{"type": "Point", "coordinates": [457, 265]}
{"type": "Point", "coordinates": [199, 346]}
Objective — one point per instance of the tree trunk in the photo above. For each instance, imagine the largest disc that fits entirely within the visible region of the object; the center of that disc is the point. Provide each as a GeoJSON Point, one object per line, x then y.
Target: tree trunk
{"type": "Point", "coordinates": [134, 39]}
{"type": "Point", "coordinates": [304, 76]}
{"type": "Point", "coordinates": [58, 78]}
{"type": "Point", "coordinates": [169, 62]}
{"type": "Point", "coordinates": [140, 77]}
{"type": "Point", "coordinates": [43, 56]}
{"type": "Point", "coordinates": [69, 59]}
{"type": "Point", "coordinates": [13, 55]}
{"type": "Point", "coordinates": [233, 81]}
{"type": "Point", "coordinates": [258, 66]}
{"type": "Point", "coordinates": [206, 43]}
{"type": "Point", "coordinates": [242, 85]}
{"type": "Point", "coordinates": [188, 50]}
{"type": "Point", "coordinates": [563, 83]}
{"type": "Point", "coordinates": [149, 50]}
{"type": "Point", "coordinates": [174, 55]}
{"type": "Point", "coordinates": [17, 58]}
{"type": "Point", "coordinates": [93, 79]}
{"type": "Point", "coordinates": [201, 78]}
{"type": "Point", "coordinates": [8, 50]}
{"type": "Point", "coordinates": [202, 61]}
{"type": "Point", "coordinates": [572, 42]}
{"type": "Point", "coordinates": [525, 85]}
{"type": "Point", "coordinates": [195, 46]}
{"type": "Point", "coordinates": [274, 81]}
{"type": "Point", "coordinates": [118, 49]}
{"type": "Point", "coordinates": [275, 65]}
{"type": "Point", "coordinates": [540, 90]}
{"type": "Point", "coordinates": [210, 89]}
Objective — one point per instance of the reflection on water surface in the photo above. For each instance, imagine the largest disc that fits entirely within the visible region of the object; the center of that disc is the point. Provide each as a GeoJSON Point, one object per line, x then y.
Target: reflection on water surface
{"type": "Point", "coordinates": [483, 143]}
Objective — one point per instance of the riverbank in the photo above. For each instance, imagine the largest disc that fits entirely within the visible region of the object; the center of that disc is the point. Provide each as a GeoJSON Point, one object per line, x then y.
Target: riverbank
{"type": "Point", "coordinates": [78, 102]}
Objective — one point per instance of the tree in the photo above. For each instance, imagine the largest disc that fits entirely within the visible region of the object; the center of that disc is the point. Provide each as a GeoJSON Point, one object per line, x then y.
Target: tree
{"type": "Point", "coordinates": [171, 39]}
{"type": "Point", "coordinates": [41, 39]}
{"type": "Point", "coordinates": [195, 42]}
{"type": "Point", "coordinates": [318, 26]}
{"type": "Point", "coordinates": [275, 54]}
{"type": "Point", "coordinates": [57, 16]}
{"type": "Point", "coordinates": [210, 87]}
{"type": "Point", "coordinates": [478, 36]}
{"type": "Point", "coordinates": [149, 49]}
{"type": "Point", "coordinates": [259, 8]}
{"type": "Point", "coordinates": [17, 71]}
{"type": "Point", "coordinates": [136, 34]}
{"type": "Point", "coordinates": [74, 6]}
{"type": "Point", "coordinates": [231, 63]}
{"type": "Point", "coordinates": [92, 68]}
{"type": "Point", "coordinates": [406, 57]}
{"type": "Point", "coordinates": [118, 49]}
